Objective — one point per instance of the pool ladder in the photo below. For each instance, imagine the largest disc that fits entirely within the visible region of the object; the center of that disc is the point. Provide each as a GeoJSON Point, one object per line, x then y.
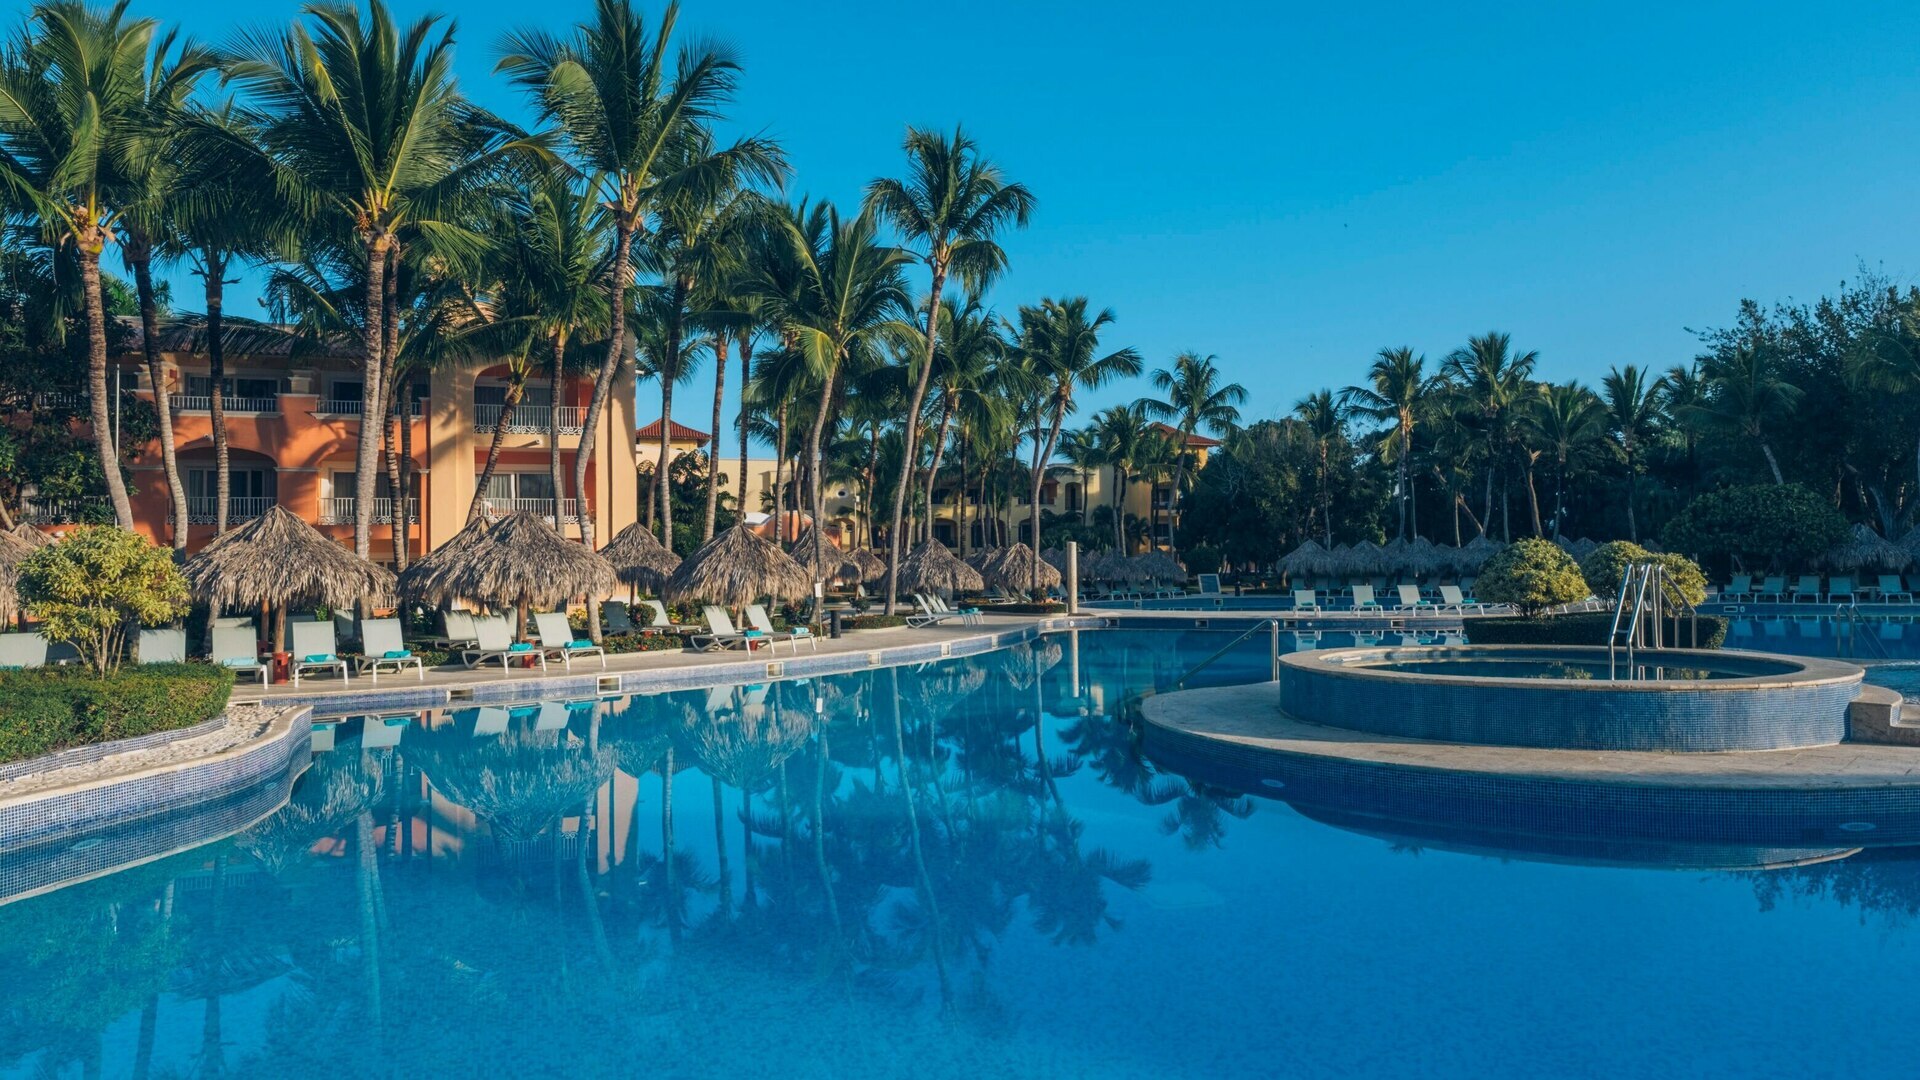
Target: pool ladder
{"type": "Point", "coordinates": [1847, 637]}
{"type": "Point", "coordinates": [1645, 600]}
{"type": "Point", "coordinates": [1272, 626]}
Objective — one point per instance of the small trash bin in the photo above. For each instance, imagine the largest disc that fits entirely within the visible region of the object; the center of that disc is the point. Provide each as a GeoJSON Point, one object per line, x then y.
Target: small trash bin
{"type": "Point", "coordinates": [833, 623]}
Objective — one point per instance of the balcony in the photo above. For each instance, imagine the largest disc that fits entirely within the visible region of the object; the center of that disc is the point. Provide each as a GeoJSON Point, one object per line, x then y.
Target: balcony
{"type": "Point", "coordinates": [83, 510]}
{"type": "Point", "coordinates": [201, 508]}
{"type": "Point", "coordinates": [529, 419]}
{"type": "Point", "coordinates": [351, 407]}
{"type": "Point", "coordinates": [495, 509]}
{"type": "Point", "coordinates": [339, 511]}
{"type": "Point", "coordinates": [259, 406]}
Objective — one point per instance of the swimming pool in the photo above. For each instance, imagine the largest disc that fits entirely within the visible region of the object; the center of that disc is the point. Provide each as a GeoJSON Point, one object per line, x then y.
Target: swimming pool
{"type": "Point", "coordinates": [575, 895]}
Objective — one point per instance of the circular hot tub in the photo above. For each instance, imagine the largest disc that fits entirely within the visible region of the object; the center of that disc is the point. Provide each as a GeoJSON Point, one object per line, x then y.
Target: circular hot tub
{"type": "Point", "coordinates": [1574, 698]}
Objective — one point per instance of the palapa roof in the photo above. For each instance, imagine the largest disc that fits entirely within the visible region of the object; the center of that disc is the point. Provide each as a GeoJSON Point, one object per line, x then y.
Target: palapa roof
{"type": "Point", "coordinates": [13, 549]}
{"type": "Point", "coordinates": [429, 578]}
{"type": "Point", "coordinates": [872, 567]}
{"type": "Point", "coordinates": [523, 559]}
{"type": "Point", "coordinates": [1055, 557]}
{"type": "Point", "coordinates": [932, 568]}
{"type": "Point", "coordinates": [737, 568]}
{"type": "Point", "coordinates": [639, 558]}
{"type": "Point", "coordinates": [1159, 566]}
{"type": "Point", "coordinates": [1865, 549]}
{"type": "Point", "coordinates": [1426, 557]}
{"type": "Point", "coordinates": [279, 559]}
{"type": "Point", "coordinates": [833, 560]}
{"type": "Point", "coordinates": [1309, 559]}
{"type": "Point", "coordinates": [1475, 553]}
{"type": "Point", "coordinates": [1020, 569]}
{"type": "Point", "coordinates": [984, 558]}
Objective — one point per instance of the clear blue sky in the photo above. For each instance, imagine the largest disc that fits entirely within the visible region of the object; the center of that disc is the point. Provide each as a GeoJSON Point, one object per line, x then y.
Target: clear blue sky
{"type": "Point", "coordinates": [1293, 189]}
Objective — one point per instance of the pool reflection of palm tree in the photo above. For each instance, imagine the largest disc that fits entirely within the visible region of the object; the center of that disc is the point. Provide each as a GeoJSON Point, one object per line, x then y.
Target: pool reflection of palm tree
{"type": "Point", "coordinates": [744, 745]}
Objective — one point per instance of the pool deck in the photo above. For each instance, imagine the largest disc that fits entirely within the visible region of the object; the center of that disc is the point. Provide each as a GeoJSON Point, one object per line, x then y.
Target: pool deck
{"type": "Point", "coordinates": [1249, 718]}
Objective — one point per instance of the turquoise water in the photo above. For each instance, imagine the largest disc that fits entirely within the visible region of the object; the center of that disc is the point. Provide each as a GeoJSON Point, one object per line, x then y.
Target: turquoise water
{"type": "Point", "coordinates": [1028, 896]}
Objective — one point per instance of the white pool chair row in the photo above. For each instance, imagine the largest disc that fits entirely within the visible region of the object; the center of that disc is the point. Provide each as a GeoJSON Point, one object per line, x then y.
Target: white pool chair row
{"type": "Point", "coordinates": [930, 609]}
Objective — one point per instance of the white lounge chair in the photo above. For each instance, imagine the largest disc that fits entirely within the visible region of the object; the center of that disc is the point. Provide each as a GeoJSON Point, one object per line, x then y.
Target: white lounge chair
{"type": "Point", "coordinates": [1890, 589]}
{"type": "Point", "coordinates": [22, 651]}
{"type": "Point", "coordinates": [238, 648]}
{"type": "Point", "coordinates": [1840, 589]}
{"type": "Point", "coordinates": [496, 643]}
{"type": "Point", "coordinates": [618, 620]}
{"type": "Point", "coordinates": [1806, 588]}
{"type": "Point", "coordinates": [556, 637]}
{"type": "Point", "coordinates": [456, 629]}
{"type": "Point", "coordinates": [923, 613]}
{"type": "Point", "coordinates": [794, 635]}
{"type": "Point", "coordinates": [314, 649]}
{"type": "Point", "coordinates": [382, 647]}
{"type": "Point", "coordinates": [967, 615]}
{"type": "Point", "coordinates": [1450, 597]}
{"type": "Point", "coordinates": [491, 720]}
{"type": "Point", "coordinates": [1410, 598]}
{"type": "Point", "coordinates": [662, 623]}
{"type": "Point", "coordinates": [167, 646]}
{"type": "Point", "coordinates": [383, 732]}
{"type": "Point", "coordinates": [720, 633]}
{"type": "Point", "coordinates": [1209, 584]}
{"type": "Point", "coordinates": [1363, 599]}
{"type": "Point", "coordinates": [1306, 600]}
{"type": "Point", "coordinates": [1773, 588]}
{"type": "Point", "coordinates": [1739, 588]}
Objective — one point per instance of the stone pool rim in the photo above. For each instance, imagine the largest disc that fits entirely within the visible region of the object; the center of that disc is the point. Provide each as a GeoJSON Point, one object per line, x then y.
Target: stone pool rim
{"type": "Point", "coordinates": [1797, 671]}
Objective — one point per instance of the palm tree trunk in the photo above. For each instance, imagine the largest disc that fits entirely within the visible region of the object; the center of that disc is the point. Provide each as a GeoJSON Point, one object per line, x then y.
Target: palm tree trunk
{"type": "Point", "coordinates": [556, 364]}
{"type": "Point", "coordinates": [103, 434]}
{"type": "Point", "coordinates": [779, 476]}
{"type": "Point", "coordinates": [515, 390]}
{"type": "Point", "coordinates": [713, 453]}
{"type": "Point", "coordinates": [746, 374]}
{"type": "Point", "coordinates": [816, 558]}
{"type": "Point", "coordinates": [912, 432]}
{"type": "Point", "coordinates": [670, 374]}
{"type": "Point", "coordinates": [1173, 500]}
{"type": "Point", "coordinates": [373, 341]}
{"type": "Point", "coordinates": [1772, 463]}
{"type": "Point", "coordinates": [214, 266]}
{"type": "Point", "coordinates": [960, 507]}
{"type": "Point", "coordinates": [392, 440]}
{"type": "Point", "coordinates": [939, 449]}
{"type": "Point", "coordinates": [403, 504]}
{"type": "Point", "coordinates": [1120, 510]}
{"type": "Point", "coordinates": [1633, 525]}
{"type": "Point", "coordinates": [603, 382]}
{"type": "Point", "coordinates": [934, 929]}
{"type": "Point", "coordinates": [1533, 502]}
{"type": "Point", "coordinates": [142, 260]}
{"type": "Point", "coordinates": [725, 884]}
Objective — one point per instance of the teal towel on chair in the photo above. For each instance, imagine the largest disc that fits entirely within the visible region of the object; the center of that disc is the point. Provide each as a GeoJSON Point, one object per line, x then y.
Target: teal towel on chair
{"type": "Point", "coordinates": [240, 661]}
{"type": "Point", "coordinates": [580, 643]}
{"type": "Point", "coordinates": [397, 654]}
{"type": "Point", "coordinates": [520, 646]}
{"type": "Point", "coordinates": [318, 658]}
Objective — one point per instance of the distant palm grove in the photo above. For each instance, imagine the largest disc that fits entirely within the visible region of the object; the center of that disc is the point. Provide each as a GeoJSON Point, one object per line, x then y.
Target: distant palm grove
{"type": "Point", "coordinates": [393, 214]}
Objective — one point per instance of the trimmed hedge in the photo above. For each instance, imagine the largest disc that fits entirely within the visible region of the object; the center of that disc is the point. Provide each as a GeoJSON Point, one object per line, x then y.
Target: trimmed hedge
{"type": "Point", "coordinates": [54, 708]}
{"type": "Point", "coordinates": [872, 622]}
{"type": "Point", "coordinates": [1584, 629]}
{"type": "Point", "coordinates": [616, 644]}
{"type": "Point", "coordinates": [1051, 607]}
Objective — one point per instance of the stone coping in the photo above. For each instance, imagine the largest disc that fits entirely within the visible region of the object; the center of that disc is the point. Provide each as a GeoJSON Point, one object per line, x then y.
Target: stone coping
{"type": "Point", "coordinates": [1798, 671]}
{"type": "Point", "coordinates": [83, 755]}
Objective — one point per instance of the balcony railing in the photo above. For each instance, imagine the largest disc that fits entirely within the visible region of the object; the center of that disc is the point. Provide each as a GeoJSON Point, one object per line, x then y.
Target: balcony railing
{"type": "Point", "coordinates": [201, 508]}
{"type": "Point", "coordinates": [529, 419]}
{"type": "Point", "coordinates": [67, 511]}
{"type": "Point", "coordinates": [351, 407]}
{"type": "Point", "coordinates": [339, 511]}
{"type": "Point", "coordinates": [204, 403]}
{"type": "Point", "coordinates": [495, 509]}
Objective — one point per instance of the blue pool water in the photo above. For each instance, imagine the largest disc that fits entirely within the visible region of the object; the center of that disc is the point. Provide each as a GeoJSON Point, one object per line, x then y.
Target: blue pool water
{"type": "Point", "coordinates": [1028, 896]}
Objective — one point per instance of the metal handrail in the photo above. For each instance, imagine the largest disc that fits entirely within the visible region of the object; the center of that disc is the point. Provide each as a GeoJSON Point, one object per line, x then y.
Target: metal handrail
{"type": "Point", "coordinates": [1846, 637]}
{"type": "Point", "coordinates": [1270, 625]}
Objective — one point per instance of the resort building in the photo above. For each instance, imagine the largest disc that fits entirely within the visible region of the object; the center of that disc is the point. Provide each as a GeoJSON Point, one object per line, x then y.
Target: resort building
{"type": "Point", "coordinates": [293, 430]}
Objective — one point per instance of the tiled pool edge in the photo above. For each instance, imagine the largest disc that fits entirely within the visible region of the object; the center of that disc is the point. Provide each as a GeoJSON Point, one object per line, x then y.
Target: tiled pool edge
{"type": "Point", "coordinates": [87, 755]}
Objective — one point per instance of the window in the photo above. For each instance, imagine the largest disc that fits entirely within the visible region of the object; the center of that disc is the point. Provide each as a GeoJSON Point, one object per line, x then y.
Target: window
{"type": "Point", "coordinates": [496, 394]}
{"type": "Point", "coordinates": [520, 486]}
{"type": "Point", "coordinates": [254, 389]}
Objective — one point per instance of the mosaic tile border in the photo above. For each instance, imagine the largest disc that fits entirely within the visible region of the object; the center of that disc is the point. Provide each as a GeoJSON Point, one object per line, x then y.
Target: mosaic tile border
{"type": "Point", "coordinates": [87, 755]}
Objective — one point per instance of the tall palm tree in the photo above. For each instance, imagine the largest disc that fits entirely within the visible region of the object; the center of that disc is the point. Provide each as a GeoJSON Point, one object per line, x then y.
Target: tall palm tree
{"type": "Point", "coordinates": [1567, 420]}
{"type": "Point", "coordinates": [1081, 451]}
{"type": "Point", "coordinates": [1686, 393]}
{"type": "Point", "coordinates": [1193, 397]}
{"type": "Point", "coordinates": [1059, 345]}
{"type": "Point", "coordinates": [1488, 380]}
{"type": "Point", "coordinates": [1325, 419]}
{"type": "Point", "coordinates": [1746, 396]}
{"type": "Point", "coordinates": [1122, 433]}
{"type": "Point", "coordinates": [78, 94]}
{"type": "Point", "coordinates": [1398, 390]}
{"type": "Point", "coordinates": [966, 363]}
{"type": "Point", "coordinates": [850, 292]}
{"type": "Point", "coordinates": [367, 131]}
{"type": "Point", "coordinates": [634, 115]}
{"type": "Point", "coordinates": [1634, 411]}
{"type": "Point", "coordinates": [948, 209]}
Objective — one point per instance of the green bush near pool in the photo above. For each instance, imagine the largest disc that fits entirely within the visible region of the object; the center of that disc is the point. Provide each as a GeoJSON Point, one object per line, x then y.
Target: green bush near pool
{"type": "Point", "coordinates": [48, 709]}
{"type": "Point", "coordinates": [1587, 629]}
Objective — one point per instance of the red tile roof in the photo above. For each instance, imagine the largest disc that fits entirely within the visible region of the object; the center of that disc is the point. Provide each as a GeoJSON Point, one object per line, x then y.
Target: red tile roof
{"type": "Point", "coordinates": [1196, 441]}
{"type": "Point", "coordinates": [650, 435]}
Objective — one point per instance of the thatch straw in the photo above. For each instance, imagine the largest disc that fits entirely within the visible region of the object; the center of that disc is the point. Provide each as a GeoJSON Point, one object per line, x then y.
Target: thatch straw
{"type": "Point", "coordinates": [984, 558]}
{"type": "Point", "coordinates": [13, 550]}
{"type": "Point", "coordinates": [1307, 560]}
{"type": "Point", "coordinates": [1018, 569]}
{"type": "Point", "coordinates": [736, 568]}
{"type": "Point", "coordinates": [872, 567]}
{"type": "Point", "coordinates": [1911, 541]}
{"type": "Point", "coordinates": [523, 561]}
{"type": "Point", "coordinates": [1476, 552]}
{"type": "Point", "coordinates": [429, 578]}
{"type": "Point", "coordinates": [281, 560]}
{"type": "Point", "coordinates": [932, 568]}
{"type": "Point", "coordinates": [1425, 557]}
{"type": "Point", "coordinates": [1055, 557]}
{"type": "Point", "coordinates": [32, 536]}
{"type": "Point", "coordinates": [639, 560]}
{"type": "Point", "coordinates": [833, 561]}
{"type": "Point", "coordinates": [1159, 566]}
{"type": "Point", "coordinates": [1865, 549]}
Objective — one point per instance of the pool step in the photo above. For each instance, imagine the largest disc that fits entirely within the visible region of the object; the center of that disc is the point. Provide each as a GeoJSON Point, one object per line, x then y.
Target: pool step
{"type": "Point", "coordinates": [1876, 716]}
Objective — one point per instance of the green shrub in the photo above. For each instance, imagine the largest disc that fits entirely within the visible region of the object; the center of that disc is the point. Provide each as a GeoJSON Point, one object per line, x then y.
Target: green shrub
{"type": "Point", "coordinates": [1782, 526]}
{"type": "Point", "coordinates": [1203, 559]}
{"type": "Point", "coordinates": [632, 643]}
{"type": "Point", "coordinates": [90, 587]}
{"type": "Point", "coordinates": [1532, 575]}
{"type": "Point", "coordinates": [1586, 628]}
{"type": "Point", "coordinates": [1050, 607]}
{"type": "Point", "coordinates": [872, 622]}
{"type": "Point", "coordinates": [53, 708]}
{"type": "Point", "coordinates": [1685, 580]}
{"type": "Point", "coordinates": [1686, 584]}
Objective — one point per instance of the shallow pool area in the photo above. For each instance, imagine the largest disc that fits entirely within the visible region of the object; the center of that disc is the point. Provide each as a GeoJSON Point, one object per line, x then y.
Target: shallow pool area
{"type": "Point", "coordinates": [964, 868]}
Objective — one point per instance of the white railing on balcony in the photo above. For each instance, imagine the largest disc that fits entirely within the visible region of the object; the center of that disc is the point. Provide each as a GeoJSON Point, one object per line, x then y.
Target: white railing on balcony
{"type": "Point", "coordinates": [351, 407]}
{"type": "Point", "coordinates": [495, 509]}
{"type": "Point", "coordinates": [229, 403]}
{"type": "Point", "coordinates": [201, 508]}
{"type": "Point", "coordinates": [339, 511]}
{"type": "Point", "coordinates": [529, 419]}
{"type": "Point", "coordinates": [67, 511]}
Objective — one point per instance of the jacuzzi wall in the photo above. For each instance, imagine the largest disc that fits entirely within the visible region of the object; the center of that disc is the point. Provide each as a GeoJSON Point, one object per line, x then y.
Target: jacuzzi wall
{"type": "Point", "coordinates": [1809, 709]}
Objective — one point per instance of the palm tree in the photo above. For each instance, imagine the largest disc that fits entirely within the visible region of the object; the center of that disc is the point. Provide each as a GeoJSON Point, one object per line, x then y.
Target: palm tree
{"type": "Point", "coordinates": [78, 101]}
{"type": "Point", "coordinates": [850, 291]}
{"type": "Point", "coordinates": [1194, 398]}
{"type": "Point", "coordinates": [1488, 380]}
{"type": "Point", "coordinates": [1060, 346]}
{"type": "Point", "coordinates": [966, 363]}
{"type": "Point", "coordinates": [948, 207]}
{"type": "Point", "coordinates": [637, 126]}
{"type": "Point", "coordinates": [1398, 392]}
{"type": "Point", "coordinates": [1633, 418]}
{"type": "Point", "coordinates": [1567, 420]}
{"type": "Point", "coordinates": [1122, 433]}
{"type": "Point", "coordinates": [1082, 451]}
{"type": "Point", "coordinates": [365, 127]}
{"type": "Point", "coordinates": [1325, 418]}
{"type": "Point", "coordinates": [1686, 393]}
{"type": "Point", "coordinates": [1745, 396]}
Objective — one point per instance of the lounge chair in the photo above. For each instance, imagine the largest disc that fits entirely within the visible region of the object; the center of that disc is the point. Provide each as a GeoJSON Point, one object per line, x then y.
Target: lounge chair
{"type": "Point", "coordinates": [794, 635]}
{"type": "Point", "coordinates": [556, 637]}
{"type": "Point", "coordinates": [1450, 597]}
{"type": "Point", "coordinates": [1410, 599]}
{"type": "Point", "coordinates": [662, 623]}
{"type": "Point", "coordinates": [720, 633]}
{"type": "Point", "coordinates": [1840, 590]}
{"type": "Point", "coordinates": [552, 716]}
{"type": "Point", "coordinates": [491, 720]}
{"type": "Point", "coordinates": [1209, 584]}
{"type": "Point", "coordinates": [923, 613]}
{"type": "Point", "coordinates": [314, 649]}
{"type": "Point", "coordinates": [456, 629]}
{"type": "Point", "coordinates": [1740, 588]}
{"type": "Point", "coordinates": [382, 647]}
{"type": "Point", "coordinates": [22, 651]}
{"type": "Point", "coordinates": [238, 648]}
{"type": "Point", "coordinates": [496, 643]}
{"type": "Point", "coordinates": [162, 647]}
{"type": "Point", "coordinates": [1806, 588]}
{"type": "Point", "coordinates": [1890, 589]}
{"type": "Point", "coordinates": [1363, 599]}
{"type": "Point", "coordinates": [1306, 600]}
{"type": "Point", "coordinates": [1773, 588]}
{"type": "Point", "coordinates": [618, 621]}
{"type": "Point", "coordinates": [968, 615]}
{"type": "Point", "coordinates": [383, 732]}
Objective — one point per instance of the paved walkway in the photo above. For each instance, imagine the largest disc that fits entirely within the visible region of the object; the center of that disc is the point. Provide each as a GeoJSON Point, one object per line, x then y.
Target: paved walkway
{"type": "Point", "coordinates": [1250, 716]}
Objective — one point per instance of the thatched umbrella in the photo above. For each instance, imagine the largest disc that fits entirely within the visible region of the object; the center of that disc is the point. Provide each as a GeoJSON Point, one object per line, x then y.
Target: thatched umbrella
{"type": "Point", "coordinates": [872, 567]}
{"type": "Point", "coordinates": [1307, 560]}
{"type": "Point", "coordinates": [932, 568]}
{"type": "Point", "coordinates": [1055, 557]}
{"type": "Point", "coordinates": [525, 562]}
{"type": "Point", "coordinates": [1865, 549]}
{"type": "Point", "coordinates": [12, 551]}
{"type": "Point", "coordinates": [32, 536]}
{"type": "Point", "coordinates": [281, 561]}
{"type": "Point", "coordinates": [429, 578]}
{"type": "Point", "coordinates": [1159, 566]}
{"type": "Point", "coordinates": [1476, 552]}
{"type": "Point", "coordinates": [984, 558]}
{"type": "Point", "coordinates": [833, 561]}
{"type": "Point", "coordinates": [736, 568]}
{"type": "Point", "coordinates": [1424, 557]}
{"type": "Point", "coordinates": [1018, 569]}
{"type": "Point", "coordinates": [639, 560]}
